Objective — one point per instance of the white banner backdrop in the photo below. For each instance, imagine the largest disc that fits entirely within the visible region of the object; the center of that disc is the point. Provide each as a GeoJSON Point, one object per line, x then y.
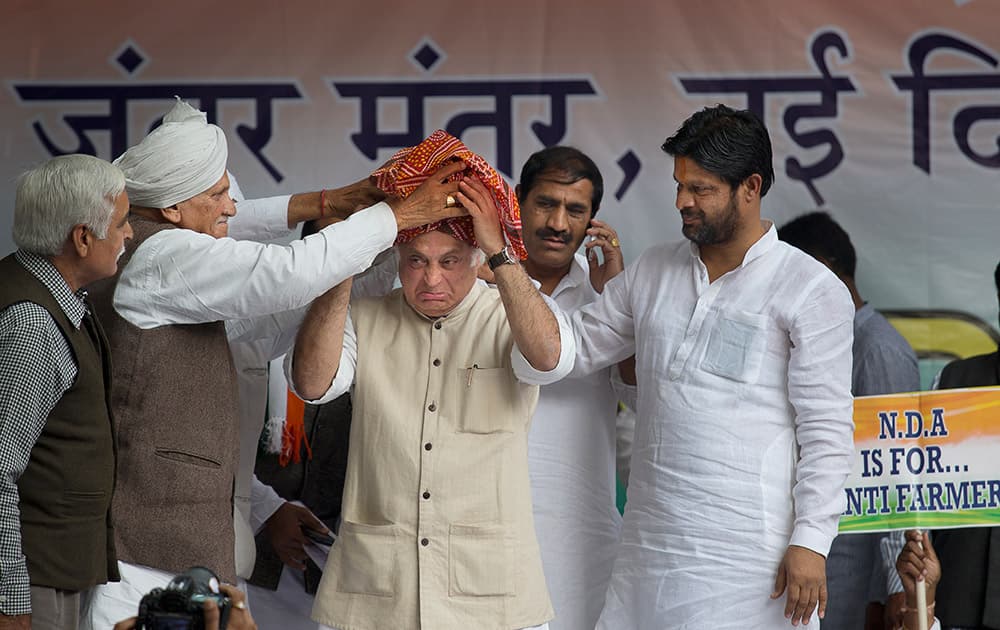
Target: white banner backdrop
{"type": "Point", "coordinates": [886, 115]}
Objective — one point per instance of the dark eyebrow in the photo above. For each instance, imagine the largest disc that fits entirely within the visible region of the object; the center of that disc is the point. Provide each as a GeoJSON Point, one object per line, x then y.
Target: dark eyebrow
{"type": "Point", "coordinates": [573, 205]}
{"type": "Point", "coordinates": [697, 183]}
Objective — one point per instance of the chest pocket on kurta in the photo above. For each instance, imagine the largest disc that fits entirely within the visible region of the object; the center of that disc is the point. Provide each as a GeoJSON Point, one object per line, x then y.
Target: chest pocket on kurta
{"type": "Point", "coordinates": [485, 400]}
{"type": "Point", "coordinates": [736, 346]}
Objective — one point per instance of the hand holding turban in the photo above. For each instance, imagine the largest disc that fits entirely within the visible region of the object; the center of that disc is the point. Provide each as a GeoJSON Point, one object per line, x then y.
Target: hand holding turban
{"type": "Point", "coordinates": [410, 167]}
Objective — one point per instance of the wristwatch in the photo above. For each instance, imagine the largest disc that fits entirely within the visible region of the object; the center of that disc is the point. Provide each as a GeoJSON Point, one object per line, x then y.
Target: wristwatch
{"type": "Point", "coordinates": [503, 257]}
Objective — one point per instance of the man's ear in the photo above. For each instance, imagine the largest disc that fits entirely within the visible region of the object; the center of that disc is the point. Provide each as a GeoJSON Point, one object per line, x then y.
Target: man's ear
{"type": "Point", "coordinates": [80, 239]}
{"type": "Point", "coordinates": [751, 187]}
{"type": "Point", "coordinates": [171, 214]}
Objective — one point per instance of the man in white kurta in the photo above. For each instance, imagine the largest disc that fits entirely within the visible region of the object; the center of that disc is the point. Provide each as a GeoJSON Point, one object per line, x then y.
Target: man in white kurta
{"type": "Point", "coordinates": [571, 444]}
{"type": "Point", "coordinates": [571, 458]}
{"type": "Point", "coordinates": [744, 430]}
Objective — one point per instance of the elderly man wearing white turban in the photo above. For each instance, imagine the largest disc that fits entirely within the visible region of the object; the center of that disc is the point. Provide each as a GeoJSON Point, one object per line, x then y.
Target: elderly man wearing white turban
{"type": "Point", "coordinates": [185, 291]}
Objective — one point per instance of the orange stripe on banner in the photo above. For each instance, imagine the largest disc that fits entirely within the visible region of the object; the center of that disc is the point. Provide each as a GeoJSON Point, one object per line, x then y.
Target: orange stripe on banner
{"type": "Point", "coordinates": [970, 412]}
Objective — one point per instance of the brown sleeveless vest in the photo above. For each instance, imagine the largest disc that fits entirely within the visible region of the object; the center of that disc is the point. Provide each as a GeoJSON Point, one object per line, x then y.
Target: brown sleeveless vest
{"type": "Point", "coordinates": [65, 491]}
{"type": "Point", "coordinates": [176, 405]}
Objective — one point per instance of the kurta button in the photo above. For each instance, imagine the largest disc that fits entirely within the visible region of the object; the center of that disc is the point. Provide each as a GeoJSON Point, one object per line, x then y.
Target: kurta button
{"type": "Point", "coordinates": [427, 446]}
{"type": "Point", "coordinates": [431, 407]}
{"type": "Point", "coordinates": [437, 362]}
{"type": "Point", "coordinates": [437, 325]}
{"type": "Point", "coordinates": [424, 542]}
{"type": "Point", "coordinates": [427, 495]}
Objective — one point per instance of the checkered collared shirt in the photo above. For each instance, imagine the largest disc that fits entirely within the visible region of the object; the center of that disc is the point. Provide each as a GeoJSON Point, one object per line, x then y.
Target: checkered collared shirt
{"type": "Point", "coordinates": [36, 369]}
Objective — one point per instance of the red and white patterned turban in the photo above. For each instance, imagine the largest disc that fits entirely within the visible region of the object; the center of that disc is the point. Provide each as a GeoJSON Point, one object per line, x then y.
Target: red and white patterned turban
{"type": "Point", "coordinates": [410, 167]}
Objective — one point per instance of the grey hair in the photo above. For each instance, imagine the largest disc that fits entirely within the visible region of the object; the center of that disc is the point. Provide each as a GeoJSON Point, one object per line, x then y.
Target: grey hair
{"type": "Point", "coordinates": [60, 194]}
{"type": "Point", "coordinates": [478, 257]}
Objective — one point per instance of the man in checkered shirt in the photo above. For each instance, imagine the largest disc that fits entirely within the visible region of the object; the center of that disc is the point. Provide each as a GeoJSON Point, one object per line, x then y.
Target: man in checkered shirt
{"type": "Point", "coordinates": [57, 454]}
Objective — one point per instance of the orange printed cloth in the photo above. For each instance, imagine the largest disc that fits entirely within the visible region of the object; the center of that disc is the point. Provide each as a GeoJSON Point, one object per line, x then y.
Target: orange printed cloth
{"type": "Point", "coordinates": [293, 435]}
{"type": "Point", "coordinates": [410, 167]}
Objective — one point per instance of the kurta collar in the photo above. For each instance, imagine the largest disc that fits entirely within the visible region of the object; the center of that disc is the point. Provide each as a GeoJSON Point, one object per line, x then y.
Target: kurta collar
{"type": "Point", "coordinates": [763, 245]}
{"type": "Point", "coordinates": [458, 313]}
{"type": "Point", "coordinates": [579, 272]}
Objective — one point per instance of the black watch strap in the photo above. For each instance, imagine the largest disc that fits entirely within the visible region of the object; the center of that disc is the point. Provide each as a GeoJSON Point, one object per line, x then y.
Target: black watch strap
{"type": "Point", "coordinates": [502, 257]}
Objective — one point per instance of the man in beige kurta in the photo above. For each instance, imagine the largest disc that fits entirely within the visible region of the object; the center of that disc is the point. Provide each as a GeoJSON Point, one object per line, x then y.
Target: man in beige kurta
{"type": "Point", "coordinates": [437, 526]}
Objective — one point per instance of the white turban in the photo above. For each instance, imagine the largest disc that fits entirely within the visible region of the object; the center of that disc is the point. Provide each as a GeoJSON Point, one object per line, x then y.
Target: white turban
{"type": "Point", "coordinates": [183, 157]}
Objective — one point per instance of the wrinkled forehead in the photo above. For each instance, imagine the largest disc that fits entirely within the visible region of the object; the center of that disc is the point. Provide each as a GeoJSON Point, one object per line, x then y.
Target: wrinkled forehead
{"type": "Point", "coordinates": [218, 187]}
{"type": "Point", "coordinates": [434, 245]}
{"type": "Point", "coordinates": [687, 170]}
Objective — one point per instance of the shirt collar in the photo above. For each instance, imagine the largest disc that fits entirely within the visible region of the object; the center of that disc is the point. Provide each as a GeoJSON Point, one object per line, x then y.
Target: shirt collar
{"type": "Point", "coordinates": [74, 305]}
{"type": "Point", "coordinates": [579, 272]}
{"type": "Point", "coordinates": [763, 245]}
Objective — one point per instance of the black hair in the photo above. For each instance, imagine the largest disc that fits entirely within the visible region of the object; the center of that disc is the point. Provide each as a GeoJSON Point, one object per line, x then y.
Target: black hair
{"type": "Point", "coordinates": [996, 278]}
{"type": "Point", "coordinates": [571, 163]}
{"type": "Point", "coordinates": [818, 235]}
{"type": "Point", "coordinates": [731, 144]}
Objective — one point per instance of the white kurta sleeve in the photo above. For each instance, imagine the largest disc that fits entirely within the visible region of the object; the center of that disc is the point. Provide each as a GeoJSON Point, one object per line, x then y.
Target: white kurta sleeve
{"type": "Point", "coordinates": [567, 352]}
{"type": "Point", "coordinates": [264, 502]}
{"type": "Point", "coordinates": [377, 280]}
{"type": "Point", "coordinates": [272, 334]}
{"type": "Point", "coordinates": [819, 390]}
{"type": "Point", "coordinates": [344, 378]}
{"type": "Point", "coordinates": [627, 394]}
{"type": "Point", "coordinates": [179, 276]}
{"type": "Point", "coordinates": [604, 329]}
{"type": "Point", "coordinates": [261, 219]}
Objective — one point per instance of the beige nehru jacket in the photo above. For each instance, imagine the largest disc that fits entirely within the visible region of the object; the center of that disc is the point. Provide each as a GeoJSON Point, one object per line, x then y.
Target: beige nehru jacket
{"type": "Point", "coordinates": [437, 523]}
